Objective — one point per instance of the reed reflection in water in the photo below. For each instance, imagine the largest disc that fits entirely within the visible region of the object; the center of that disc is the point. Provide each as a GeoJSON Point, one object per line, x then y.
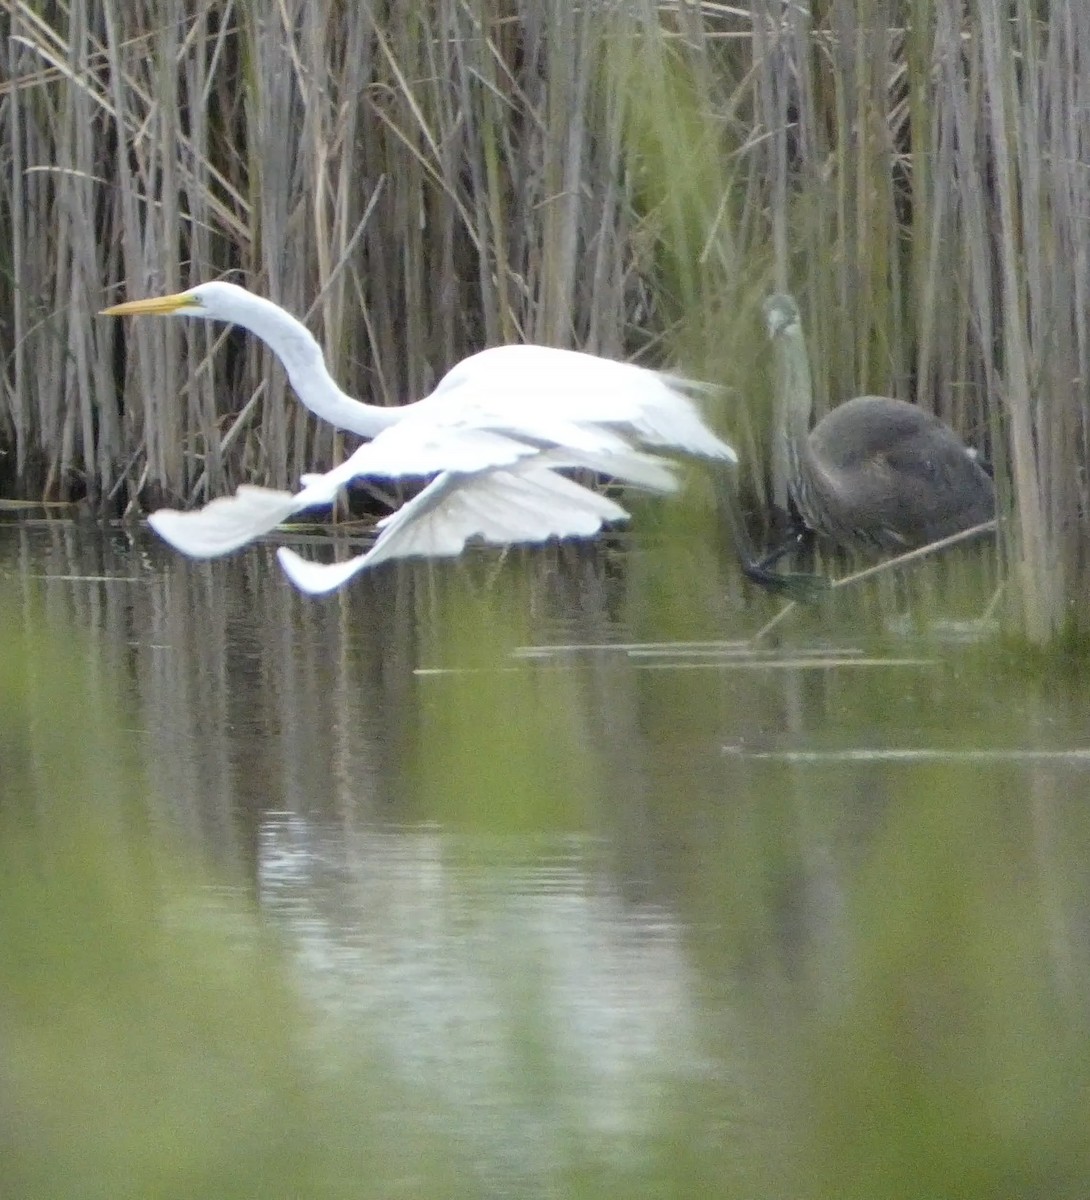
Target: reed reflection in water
{"type": "Point", "coordinates": [576, 897]}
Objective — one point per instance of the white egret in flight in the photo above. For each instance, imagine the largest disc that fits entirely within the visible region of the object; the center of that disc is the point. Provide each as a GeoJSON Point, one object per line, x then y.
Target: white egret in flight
{"type": "Point", "coordinates": [493, 433]}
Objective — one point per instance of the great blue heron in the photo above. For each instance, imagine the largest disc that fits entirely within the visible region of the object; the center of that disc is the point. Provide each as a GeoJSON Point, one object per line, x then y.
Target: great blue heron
{"type": "Point", "coordinates": [494, 433]}
{"type": "Point", "coordinates": [874, 474]}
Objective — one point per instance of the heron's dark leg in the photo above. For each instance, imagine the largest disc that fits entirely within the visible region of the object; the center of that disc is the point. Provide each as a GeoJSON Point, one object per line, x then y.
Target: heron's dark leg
{"type": "Point", "coordinates": [798, 586]}
{"type": "Point", "coordinates": [800, 538]}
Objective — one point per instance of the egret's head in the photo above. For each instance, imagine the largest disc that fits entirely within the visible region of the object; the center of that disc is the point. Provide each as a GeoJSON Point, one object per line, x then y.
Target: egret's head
{"type": "Point", "coordinates": [781, 314]}
{"type": "Point", "coordinates": [215, 301]}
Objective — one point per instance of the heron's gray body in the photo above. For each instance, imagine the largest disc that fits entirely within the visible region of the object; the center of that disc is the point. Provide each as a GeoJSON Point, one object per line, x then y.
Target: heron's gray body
{"type": "Point", "coordinates": [885, 475]}
{"type": "Point", "coordinates": [874, 474]}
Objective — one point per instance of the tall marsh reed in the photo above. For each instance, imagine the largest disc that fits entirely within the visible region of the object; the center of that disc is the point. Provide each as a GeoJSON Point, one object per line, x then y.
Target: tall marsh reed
{"type": "Point", "coordinates": [423, 180]}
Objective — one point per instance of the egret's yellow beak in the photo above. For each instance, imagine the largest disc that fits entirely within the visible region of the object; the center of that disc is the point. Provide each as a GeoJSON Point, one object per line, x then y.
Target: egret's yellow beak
{"type": "Point", "coordinates": [153, 306]}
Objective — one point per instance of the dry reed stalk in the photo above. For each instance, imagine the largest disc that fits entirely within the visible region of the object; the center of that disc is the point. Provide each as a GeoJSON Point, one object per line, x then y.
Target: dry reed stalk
{"type": "Point", "coordinates": [1014, 164]}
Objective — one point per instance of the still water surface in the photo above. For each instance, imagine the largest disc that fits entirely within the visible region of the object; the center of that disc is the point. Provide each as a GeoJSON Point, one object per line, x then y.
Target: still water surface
{"type": "Point", "coordinates": [554, 870]}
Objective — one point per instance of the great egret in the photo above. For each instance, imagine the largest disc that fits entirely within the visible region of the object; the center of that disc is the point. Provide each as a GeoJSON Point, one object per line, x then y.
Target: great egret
{"type": "Point", "coordinates": [874, 473]}
{"type": "Point", "coordinates": [493, 433]}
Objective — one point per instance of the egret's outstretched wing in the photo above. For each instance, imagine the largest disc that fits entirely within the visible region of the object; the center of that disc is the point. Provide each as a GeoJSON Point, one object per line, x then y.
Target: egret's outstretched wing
{"type": "Point", "coordinates": [416, 448]}
{"type": "Point", "coordinates": [526, 503]}
{"type": "Point", "coordinates": [633, 467]}
{"type": "Point", "coordinates": [230, 522]}
{"type": "Point", "coordinates": [226, 523]}
{"type": "Point", "coordinates": [452, 433]}
{"type": "Point", "coordinates": [541, 391]}
{"type": "Point", "coordinates": [317, 578]}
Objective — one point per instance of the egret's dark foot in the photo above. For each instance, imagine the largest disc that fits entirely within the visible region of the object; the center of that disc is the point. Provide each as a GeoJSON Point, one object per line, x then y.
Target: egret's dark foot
{"type": "Point", "coordinates": [795, 585]}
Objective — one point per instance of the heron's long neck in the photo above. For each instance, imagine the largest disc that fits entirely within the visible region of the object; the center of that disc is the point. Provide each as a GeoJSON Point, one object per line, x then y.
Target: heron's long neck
{"type": "Point", "coordinates": [302, 358]}
{"type": "Point", "coordinates": [795, 400]}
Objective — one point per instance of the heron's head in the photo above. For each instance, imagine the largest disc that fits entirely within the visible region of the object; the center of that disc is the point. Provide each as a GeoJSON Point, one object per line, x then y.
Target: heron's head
{"type": "Point", "coordinates": [781, 314]}
{"type": "Point", "coordinates": [215, 301]}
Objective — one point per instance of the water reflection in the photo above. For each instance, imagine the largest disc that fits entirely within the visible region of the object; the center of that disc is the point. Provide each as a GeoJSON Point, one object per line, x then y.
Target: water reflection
{"type": "Point", "coordinates": [524, 995]}
{"type": "Point", "coordinates": [560, 846]}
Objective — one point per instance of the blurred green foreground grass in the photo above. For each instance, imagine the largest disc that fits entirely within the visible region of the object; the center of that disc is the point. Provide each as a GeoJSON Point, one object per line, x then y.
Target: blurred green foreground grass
{"type": "Point", "coordinates": [153, 1043]}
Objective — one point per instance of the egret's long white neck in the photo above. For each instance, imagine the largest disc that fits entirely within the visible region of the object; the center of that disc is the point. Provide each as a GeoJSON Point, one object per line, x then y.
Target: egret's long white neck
{"type": "Point", "coordinates": [302, 358]}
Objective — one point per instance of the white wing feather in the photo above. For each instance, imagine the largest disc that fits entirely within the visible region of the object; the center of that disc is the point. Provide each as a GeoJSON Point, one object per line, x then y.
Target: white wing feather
{"type": "Point", "coordinates": [528, 503]}
{"type": "Point", "coordinates": [524, 504]}
{"type": "Point", "coordinates": [416, 447]}
{"type": "Point", "coordinates": [647, 471]}
{"type": "Point", "coordinates": [226, 523]}
{"type": "Point", "coordinates": [509, 386]}
{"type": "Point", "coordinates": [230, 522]}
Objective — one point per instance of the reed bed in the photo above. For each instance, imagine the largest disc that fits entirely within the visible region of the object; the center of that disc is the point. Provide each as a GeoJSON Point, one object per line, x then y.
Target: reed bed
{"type": "Point", "coordinates": [423, 180]}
